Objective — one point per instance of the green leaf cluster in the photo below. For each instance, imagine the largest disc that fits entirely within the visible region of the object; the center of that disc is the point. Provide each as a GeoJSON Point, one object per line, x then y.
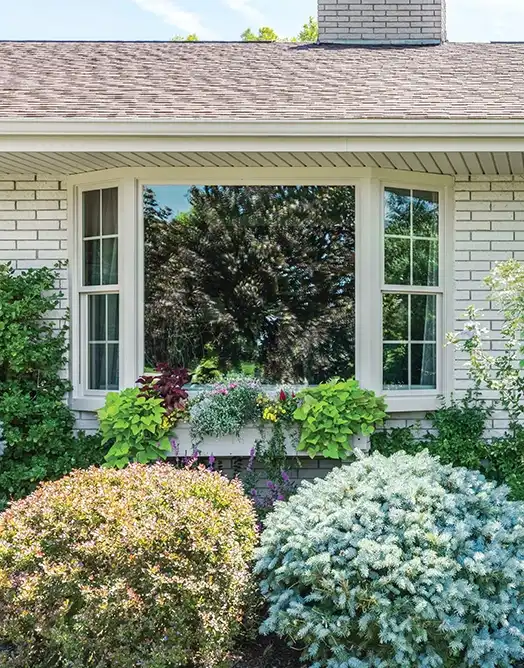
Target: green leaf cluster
{"type": "Point", "coordinates": [333, 412]}
{"type": "Point", "coordinates": [136, 428]}
{"type": "Point", "coordinates": [457, 436]}
{"type": "Point", "coordinates": [37, 425]}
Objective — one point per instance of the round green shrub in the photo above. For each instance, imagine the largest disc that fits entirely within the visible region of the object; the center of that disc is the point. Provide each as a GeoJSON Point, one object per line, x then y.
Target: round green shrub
{"type": "Point", "coordinates": [147, 566]}
{"type": "Point", "coordinates": [398, 562]}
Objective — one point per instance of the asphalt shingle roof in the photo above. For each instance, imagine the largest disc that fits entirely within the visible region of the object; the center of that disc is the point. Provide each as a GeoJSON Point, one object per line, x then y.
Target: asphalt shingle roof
{"type": "Point", "coordinates": [257, 81]}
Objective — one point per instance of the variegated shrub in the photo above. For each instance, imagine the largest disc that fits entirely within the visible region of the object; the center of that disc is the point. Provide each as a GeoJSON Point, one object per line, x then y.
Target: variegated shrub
{"type": "Point", "coordinates": [147, 566]}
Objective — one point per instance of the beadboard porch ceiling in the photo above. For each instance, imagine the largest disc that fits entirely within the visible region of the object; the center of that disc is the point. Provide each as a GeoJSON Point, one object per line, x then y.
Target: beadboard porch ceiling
{"type": "Point", "coordinates": [448, 163]}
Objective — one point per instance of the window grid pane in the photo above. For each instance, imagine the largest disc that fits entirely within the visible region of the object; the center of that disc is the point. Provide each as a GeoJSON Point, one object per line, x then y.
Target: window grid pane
{"type": "Point", "coordinates": [405, 263]}
{"type": "Point", "coordinates": [411, 259]}
{"type": "Point", "coordinates": [100, 237]}
{"type": "Point", "coordinates": [103, 350]}
{"type": "Point", "coordinates": [409, 362]}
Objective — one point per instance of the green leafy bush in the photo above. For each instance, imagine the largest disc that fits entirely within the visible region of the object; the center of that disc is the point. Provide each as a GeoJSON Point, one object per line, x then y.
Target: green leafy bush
{"type": "Point", "coordinates": [136, 427]}
{"type": "Point", "coordinates": [457, 437]}
{"type": "Point", "coordinates": [146, 566]}
{"type": "Point", "coordinates": [398, 562]}
{"type": "Point", "coordinates": [37, 424]}
{"type": "Point", "coordinates": [225, 409]}
{"type": "Point", "coordinates": [333, 412]}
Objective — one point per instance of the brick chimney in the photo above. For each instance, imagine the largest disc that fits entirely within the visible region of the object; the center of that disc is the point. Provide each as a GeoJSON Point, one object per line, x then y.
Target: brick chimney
{"type": "Point", "coordinates": [382, 22]}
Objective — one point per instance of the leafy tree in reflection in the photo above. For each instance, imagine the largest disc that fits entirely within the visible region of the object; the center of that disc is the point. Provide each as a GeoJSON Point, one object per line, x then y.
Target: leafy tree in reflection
{"type": "Point", "coordinates": [258, 277]}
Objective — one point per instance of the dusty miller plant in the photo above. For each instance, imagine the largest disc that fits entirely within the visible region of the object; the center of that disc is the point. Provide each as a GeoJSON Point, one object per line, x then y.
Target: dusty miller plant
{"type": "Point", "coordinates": [397, 562]}
{"type": "Point", "coordinates": [224, 409]}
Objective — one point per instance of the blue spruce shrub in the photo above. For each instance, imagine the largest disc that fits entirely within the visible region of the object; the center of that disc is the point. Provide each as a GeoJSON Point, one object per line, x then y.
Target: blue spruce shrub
{"type": "Point", "coordinates": [397, 562]}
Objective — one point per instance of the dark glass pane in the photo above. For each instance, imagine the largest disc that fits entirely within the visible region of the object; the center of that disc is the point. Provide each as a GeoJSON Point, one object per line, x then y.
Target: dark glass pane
{"type": "Point", "coordinates": [396, 364]}
{"type": "Point", "coordinates": [395, 316]}
{"type": "Point", "coordinates": [397, 261]}
{"type": "Point", "coordinates": [398, 211]}
{"type": "Point", "coordinates": [423, 317]}
{"type": "Point", "coordinates": [92, 262]}
{"type": "Point", "coordinates": [423, 366]}
{"type": "Point", "coordinates": [425, 214]}
{"type": "Point", "coordinates": [97, 317]}
{"type": "Point", "coordinates": [109, 261]}
{"type": "Point", "coordinates": [112, 366]}
{"type": "Point", "coordinates": [91, 213]}
{"type": "Point", "coordinates": [425, 262]}
{"type": "Point", "coordinates": [252, 279]}
{"type": "Point", "coordinates": [110, 211]}
{"type": "Point", "coordinates": [97, 366]}
{"type": "Point", "coordinates": [112, 317]}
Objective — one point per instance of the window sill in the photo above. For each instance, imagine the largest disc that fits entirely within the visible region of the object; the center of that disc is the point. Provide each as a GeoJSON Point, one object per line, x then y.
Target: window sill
{"type": "Point", "coordinates": [412, 403]}
{"type": "Point", "coordinates": [396, 403]}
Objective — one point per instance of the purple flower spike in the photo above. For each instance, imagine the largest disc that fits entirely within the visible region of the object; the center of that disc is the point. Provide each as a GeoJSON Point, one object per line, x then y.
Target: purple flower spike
{"type": "Point", "coordinates": [285, 477]}
{"type": "Point", "coordinates": [174, 446]}
{"type": "Point", "coordinates": [251, 462]}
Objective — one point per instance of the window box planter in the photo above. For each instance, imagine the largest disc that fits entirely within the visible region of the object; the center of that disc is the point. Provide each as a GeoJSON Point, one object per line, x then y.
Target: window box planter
{"type": "Point", "coordinates": [240, 446]}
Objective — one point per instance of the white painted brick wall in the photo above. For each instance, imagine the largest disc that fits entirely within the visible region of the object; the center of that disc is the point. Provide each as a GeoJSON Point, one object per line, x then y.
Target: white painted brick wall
{"type": "Point", "coordinates": [489, 228]}
{"type": "Point", "coordinates": [33, 228]}
{"type": "Point", "coordinates": [381, 21]}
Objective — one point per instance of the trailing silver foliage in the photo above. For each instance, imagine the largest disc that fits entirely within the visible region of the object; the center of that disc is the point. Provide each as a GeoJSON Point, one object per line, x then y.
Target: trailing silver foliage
{"type": "Point", "coordinates": [397, 563]}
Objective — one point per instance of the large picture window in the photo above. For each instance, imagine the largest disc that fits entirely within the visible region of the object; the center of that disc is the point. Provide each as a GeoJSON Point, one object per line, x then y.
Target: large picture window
{"type": "Point", "coordinates": [411, 291]}
{"type": "Point", "coordinates": [252, 279]}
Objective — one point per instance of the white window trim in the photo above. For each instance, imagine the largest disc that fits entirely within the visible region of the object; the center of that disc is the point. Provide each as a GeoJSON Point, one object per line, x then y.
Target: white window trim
{"type": "Point", "coordinates": [369, 185]}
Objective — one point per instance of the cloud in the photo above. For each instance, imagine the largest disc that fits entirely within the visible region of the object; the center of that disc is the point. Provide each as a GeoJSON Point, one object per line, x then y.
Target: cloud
{"type": "Point", "coordinates": [246, 8]}
{"type": "Point", "coordinates": [187, 21]}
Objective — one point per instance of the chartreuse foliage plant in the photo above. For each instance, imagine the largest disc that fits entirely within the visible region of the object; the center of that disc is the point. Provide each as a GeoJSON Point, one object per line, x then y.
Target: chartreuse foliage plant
{"type": "Point", "coordinates": [330, 413]}
{"type": "Point", "coordinates": [135, 426]}
{"type": "Point", "coordinates": [38, 442]}
{"type": "Point", "coordinates": [397, 562]}
{"type": "Point", "coordinates": [146, 566]}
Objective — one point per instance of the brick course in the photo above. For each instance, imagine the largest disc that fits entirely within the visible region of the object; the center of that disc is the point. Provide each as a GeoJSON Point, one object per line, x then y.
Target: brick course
{"type": "Point", "coordinates": [381, 21]}
{"type": "Point", "coordinates": [489, 211]}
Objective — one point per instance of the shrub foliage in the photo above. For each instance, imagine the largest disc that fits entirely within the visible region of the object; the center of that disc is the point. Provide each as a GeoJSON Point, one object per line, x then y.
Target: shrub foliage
{"type": "Point", "coordinates": [399, 562]}
{"type": "Point", "coordinates": [37, 424]}
{"type": "Point", "coordinates": [146, 566]}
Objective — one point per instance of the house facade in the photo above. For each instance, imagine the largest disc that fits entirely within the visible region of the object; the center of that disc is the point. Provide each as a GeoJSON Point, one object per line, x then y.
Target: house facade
{"type": "Point", "coordinates": [421, 140]}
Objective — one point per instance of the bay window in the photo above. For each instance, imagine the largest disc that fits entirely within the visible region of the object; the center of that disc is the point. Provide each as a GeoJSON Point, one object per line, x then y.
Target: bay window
{"type": "Point", "coordinates": [291, 283]}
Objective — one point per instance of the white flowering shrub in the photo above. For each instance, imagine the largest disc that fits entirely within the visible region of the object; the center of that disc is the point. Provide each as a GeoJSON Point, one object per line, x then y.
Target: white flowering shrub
{"type": "Point", "coordinates": [395, 563]}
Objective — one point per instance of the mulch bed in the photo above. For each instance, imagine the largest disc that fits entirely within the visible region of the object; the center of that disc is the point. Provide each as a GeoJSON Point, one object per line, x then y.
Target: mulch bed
{"type": "Point", "coordinates": [267, 652]}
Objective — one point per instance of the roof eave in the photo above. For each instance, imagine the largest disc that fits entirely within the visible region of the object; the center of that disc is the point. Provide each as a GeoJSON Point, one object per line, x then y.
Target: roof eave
{"type": "Point", "coordinates": [88, 134]}
{"type": "Point", "coordinates": [400, 127]}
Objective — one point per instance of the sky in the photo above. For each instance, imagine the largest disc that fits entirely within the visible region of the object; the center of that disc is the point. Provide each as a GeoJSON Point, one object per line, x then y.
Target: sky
{"type": "Point", "coordinates": [468, 20]}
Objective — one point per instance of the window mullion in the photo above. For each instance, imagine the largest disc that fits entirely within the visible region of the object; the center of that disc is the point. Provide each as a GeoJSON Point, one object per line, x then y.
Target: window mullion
{"type": "Point", "coordinates": [131, 302]}
{"type": "Point", "coordinates": [369, 245]}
